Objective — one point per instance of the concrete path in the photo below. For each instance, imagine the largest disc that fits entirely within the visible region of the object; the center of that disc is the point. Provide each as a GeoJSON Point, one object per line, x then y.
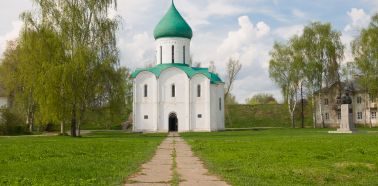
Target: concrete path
{"type": "Point", "coordinates": [174, 164]}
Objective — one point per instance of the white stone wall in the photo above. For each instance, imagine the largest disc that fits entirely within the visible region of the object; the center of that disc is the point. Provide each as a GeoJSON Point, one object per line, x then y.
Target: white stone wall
{"type": "Point", "coordinates": [186, 104]}
{"type": "Point", "coordinates": [178, 43]}
{"type": "Point", "coordinates": [200, 105]}
{"type": "Point", "coordinates": [178, 104]}
{"type": "Point", "coordinates": [217, 111]}
{"type": "Point", "coordinates": [145, 106]}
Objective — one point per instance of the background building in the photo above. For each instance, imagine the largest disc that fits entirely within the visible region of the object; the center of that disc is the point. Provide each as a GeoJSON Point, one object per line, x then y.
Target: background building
{"type": "Point", "coordinates": [328, 103]}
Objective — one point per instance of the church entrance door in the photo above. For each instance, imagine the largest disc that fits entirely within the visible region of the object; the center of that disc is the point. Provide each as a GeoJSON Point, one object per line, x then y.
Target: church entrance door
{"type": "Point", "coordinates": [173, 122]}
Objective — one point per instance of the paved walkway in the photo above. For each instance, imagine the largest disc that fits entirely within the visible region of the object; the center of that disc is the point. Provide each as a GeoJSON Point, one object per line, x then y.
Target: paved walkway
{"type": "Point", "coordinates": [174, 164]}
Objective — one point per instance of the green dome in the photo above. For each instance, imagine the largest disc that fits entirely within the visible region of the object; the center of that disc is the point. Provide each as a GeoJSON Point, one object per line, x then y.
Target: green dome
{"type": "Point", "coordinates": [173, 25]}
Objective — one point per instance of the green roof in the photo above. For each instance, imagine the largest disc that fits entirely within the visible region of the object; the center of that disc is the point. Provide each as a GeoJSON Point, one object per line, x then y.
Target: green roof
{"type": "Point", "coordinates": [190, 71]}
{"type": "Point", "coordinates": [173, 25]}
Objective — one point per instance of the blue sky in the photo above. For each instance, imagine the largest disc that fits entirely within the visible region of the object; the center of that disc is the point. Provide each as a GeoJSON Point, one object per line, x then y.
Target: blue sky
{"type": "Point", "coordinates": [242, 29]}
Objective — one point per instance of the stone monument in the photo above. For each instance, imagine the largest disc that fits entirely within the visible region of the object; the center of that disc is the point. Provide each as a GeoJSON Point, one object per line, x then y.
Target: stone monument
{"type": "Point", "coordinates": [346, 122]}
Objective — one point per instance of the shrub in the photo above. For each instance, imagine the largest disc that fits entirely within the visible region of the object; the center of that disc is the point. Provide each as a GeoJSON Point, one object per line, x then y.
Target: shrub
{"type": "Point", "coordinates": [11, 124]}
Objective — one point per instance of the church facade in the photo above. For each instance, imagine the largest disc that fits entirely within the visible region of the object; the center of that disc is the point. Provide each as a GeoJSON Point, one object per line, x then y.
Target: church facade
{"type": "Point", "coordinates": [173, 95]}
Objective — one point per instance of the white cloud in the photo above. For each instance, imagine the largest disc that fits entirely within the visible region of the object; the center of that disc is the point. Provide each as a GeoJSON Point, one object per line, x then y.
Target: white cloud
{"type": "Point", "coordinates": [238, 40]}
{"type": "Point", "coordinates": [287, 32]}
{"type": "Point", "coordinates": [11, 35]}
{"type": "Point", "coordinates": [251, 44]}
{"type": "Point", "coordinates": [200, 13]}
{"type": "Point", "coordinates": [138, 51]}
{"type": "Point", "coordinates": [298, 13]}
{"type": "Point", "coordinates": [359, 19]}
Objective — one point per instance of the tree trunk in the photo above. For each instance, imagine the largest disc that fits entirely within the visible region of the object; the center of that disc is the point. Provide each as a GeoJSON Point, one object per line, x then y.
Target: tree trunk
{"type": "Point", "coordinates": [369, 102]}
{"type": "Point", "coordinates": [78, 127]}
{"type": "Point", "coordinates": [62, 127]}
{"type": "Point", "coordinates": [313, 110]}
{"type": "Point", "coordinates": [302, 108]}
{"type": "Point", "coordinates": [30, 119]}
{"type": "Point", "coordinates": [292, 120]}
{"type": "Point", "coordinates": [73, 122]}
{"type": "Point", "coordinates": [321, 109]}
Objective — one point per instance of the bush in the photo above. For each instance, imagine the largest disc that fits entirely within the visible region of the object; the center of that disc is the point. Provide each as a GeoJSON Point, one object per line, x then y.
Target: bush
{"type": "Point", "coordinates": [11, 124]}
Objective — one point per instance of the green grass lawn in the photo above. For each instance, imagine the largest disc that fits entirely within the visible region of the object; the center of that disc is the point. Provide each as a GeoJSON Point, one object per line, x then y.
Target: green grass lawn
{"type": "Point", "coordinates": [289, 156]}
{"type": "Point", "coordinates": [106, 158]}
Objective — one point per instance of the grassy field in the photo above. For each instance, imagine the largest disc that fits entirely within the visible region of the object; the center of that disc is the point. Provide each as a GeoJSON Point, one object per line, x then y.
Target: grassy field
{"type": "Point", "coordinates": [248, 116]}
{"type": "Point", "coordinates": [289, 156]}
{"type": "Point", "coordinates": [95, 159]}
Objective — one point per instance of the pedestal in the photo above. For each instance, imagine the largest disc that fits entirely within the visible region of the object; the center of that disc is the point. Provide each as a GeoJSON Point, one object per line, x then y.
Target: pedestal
{"type": "Point", "coordinates": [346, 122]}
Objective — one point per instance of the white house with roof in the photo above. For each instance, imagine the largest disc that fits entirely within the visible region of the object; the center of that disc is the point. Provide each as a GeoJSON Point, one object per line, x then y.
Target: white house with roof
{"type": "Point", "coordinates": [173, 95]}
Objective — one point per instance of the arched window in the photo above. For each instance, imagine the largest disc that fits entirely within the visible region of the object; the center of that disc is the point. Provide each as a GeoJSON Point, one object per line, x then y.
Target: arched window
{"type": "Point", "coordinates": [145, 90]}
{"type": "Point", "coordinates": [161, 54]}
{"type": "Point", "coordinates": [173, 90]}
{"type": "Point", "coordinates": [198, 90]}
{"type": "Point", "coordinates": [184, 54]}
{"type": "Point", "coordinates": [173, 54]}
{"type": "Point", "coordinates": [220, 103]}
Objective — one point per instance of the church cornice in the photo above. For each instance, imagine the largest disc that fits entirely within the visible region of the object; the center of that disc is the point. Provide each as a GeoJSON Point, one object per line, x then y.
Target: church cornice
{"type": "Point", "coordinates": [189, 71]}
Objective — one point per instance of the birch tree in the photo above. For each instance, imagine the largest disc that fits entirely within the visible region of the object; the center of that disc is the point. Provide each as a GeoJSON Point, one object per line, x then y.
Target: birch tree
{"type": "Point", "coordinates": [82, 66]}
{"type": "Point", "coordinates": [232, 70]}
{"type": "Point", "coordinates": [323, 52]}
{"type": "Point", "coordinates": [286, 70]}
{"type": "Point", "coordinates": [365, 51]}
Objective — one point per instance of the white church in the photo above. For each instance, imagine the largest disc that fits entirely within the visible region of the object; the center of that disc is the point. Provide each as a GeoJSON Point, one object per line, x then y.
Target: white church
{"type": "Point", "coordinates": [173, 95]}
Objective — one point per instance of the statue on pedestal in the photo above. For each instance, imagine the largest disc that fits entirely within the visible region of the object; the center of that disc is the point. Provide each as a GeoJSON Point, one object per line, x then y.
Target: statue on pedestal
{"type": "Point", "coordinates": [346, 122]}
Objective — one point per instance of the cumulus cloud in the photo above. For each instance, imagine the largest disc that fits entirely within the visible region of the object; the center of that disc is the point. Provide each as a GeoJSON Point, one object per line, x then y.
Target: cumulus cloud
{"type": "Point", "coordinates": [287, 32]}
{"type": "Point", "coordinates": [359, 19]}
{"type": "Point", "coordinates": [238, 40]}
{"type": "Point", "coordinates": [250, 44]}
{"type": "Point", "coordinates": [137, 51]}
{"type": "Point", "coordinates": [11, 35]}
{"type": "Point", "coordinates": [199, 13]}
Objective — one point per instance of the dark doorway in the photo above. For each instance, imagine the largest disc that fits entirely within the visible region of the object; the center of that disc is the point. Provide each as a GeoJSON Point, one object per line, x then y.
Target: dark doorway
{"type": "Point", "coordinates": [173, 127]}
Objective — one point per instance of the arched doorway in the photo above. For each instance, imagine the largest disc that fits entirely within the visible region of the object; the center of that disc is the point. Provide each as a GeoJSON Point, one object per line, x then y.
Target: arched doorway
{"type": "Point", "coordinates": [173, 122]}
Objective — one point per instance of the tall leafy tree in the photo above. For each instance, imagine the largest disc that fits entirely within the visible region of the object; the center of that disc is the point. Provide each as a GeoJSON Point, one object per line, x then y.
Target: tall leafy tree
{"type": "Point", "coordinates": [20, 98]}
{"type": "Point", "coordinates": [322, 53]}
{"type": "Point", "coordinates": [81, 70]}
{"type": "Point", "coordinates": [285, 71]}
{"type": "Point", "coordinates": [365, 51]}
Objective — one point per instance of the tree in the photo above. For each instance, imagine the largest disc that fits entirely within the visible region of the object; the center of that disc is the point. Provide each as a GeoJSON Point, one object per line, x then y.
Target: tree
{"type": "Point", "coordinates": [322, 51]}
{"type": "Point", "coordinates": [232, 70]}
{"type": "Point", "coordinates": [262, 98]}
{"type": "Point", "coordinates": [76, 48]}
{"type": "Point", "coordinates": [231, 100]}
{"type": "Point", "coordinates": [20, 95]}
{"type": "Point", "coordinates": [365, 51]}
{"type": "Point", "coordinates": [285, 71]}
